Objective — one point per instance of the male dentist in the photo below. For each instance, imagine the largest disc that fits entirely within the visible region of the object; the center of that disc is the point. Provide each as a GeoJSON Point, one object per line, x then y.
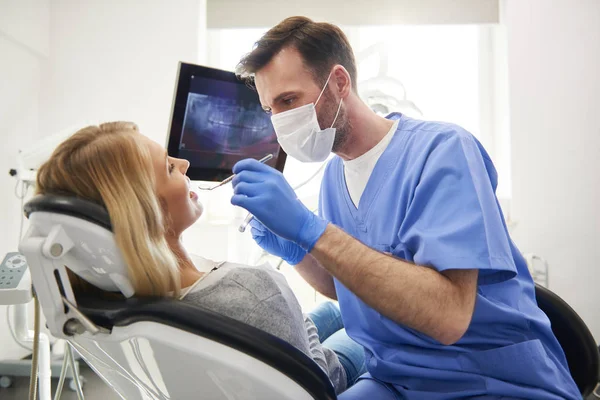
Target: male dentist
{"type": "Point", "coordinates": [410, 238]}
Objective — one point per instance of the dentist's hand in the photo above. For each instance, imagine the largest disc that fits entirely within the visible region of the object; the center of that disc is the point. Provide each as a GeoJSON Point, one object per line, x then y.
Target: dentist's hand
{"type": "Point", "coordinates": [290, 252]}
{"type": "Point", "coordinates": [265, 193]}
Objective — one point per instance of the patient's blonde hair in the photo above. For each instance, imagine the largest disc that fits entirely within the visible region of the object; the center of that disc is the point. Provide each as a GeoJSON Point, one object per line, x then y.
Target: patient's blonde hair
{"type": "Point", "coordinates": [107, 165]}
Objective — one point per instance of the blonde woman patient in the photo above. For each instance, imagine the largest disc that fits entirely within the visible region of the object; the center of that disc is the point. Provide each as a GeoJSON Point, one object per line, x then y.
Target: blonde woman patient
{"type": "Point", "coordinates": [148, 198]}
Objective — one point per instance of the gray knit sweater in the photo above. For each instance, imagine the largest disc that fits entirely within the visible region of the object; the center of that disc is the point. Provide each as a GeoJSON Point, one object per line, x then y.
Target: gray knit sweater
{"type": "Point", "coordinates": [260, 296]}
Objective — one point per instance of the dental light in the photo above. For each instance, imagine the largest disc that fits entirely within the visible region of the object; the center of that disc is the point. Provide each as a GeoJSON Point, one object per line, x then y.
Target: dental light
{"type": "Point", "coordinates": [385, 95]}
{"type": "Point", "coordinates": [382, 93]}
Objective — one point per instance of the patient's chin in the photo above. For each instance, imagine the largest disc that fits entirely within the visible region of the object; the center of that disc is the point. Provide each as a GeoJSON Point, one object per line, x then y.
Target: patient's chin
{"type": "Point", "coordinates": [182, 221]}
{"type": "Point", "coordinates": [197, 211]}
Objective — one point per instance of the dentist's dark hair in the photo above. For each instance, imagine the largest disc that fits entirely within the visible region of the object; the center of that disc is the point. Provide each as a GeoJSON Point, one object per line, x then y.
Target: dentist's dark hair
{"type": "Point", "coordinates": [321, 45]}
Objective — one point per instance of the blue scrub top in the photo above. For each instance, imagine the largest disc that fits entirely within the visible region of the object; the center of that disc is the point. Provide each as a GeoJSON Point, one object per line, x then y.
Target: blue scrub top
{"type": "Point", "coordinates": [431, 200]}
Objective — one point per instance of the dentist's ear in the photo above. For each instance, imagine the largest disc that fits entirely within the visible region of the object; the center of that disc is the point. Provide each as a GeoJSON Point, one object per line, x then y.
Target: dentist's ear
{"type": "Point", "coordinates": [342, 80]}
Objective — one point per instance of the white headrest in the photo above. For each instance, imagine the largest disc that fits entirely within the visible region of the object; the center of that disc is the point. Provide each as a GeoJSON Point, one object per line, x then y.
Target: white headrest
{"type": "Point", "coordinates": [89, 250]}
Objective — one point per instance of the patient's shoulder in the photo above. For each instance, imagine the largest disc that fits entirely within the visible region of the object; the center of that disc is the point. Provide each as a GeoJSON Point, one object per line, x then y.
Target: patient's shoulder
{"type": "Point", "coordinates": [258, 296]}
{"type": "Point", "coordinates": [262, 281]}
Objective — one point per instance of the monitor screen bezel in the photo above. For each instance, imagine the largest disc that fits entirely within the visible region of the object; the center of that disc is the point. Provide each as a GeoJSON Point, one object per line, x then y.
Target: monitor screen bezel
{"type": "Point", "coordinates": [182, 85]}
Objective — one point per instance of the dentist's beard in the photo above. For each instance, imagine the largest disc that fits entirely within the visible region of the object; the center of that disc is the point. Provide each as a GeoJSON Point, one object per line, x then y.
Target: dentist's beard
{"type": "Point", "coordinates": [342, 124]}
{"type": "Point", "coordinates": [342, 134]}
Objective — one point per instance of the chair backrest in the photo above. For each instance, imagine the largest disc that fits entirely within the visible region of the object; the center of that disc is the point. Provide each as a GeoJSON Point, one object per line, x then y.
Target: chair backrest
{"type": "Point", "coordinates": [152, 348]}
{"type": "Point", "coordinates": [166, 349]}
{"type": "Point", "coordinates": [574, 337]}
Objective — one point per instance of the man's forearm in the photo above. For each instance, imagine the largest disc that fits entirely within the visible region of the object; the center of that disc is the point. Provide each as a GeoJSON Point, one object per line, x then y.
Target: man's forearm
{"type": "Point", "coordinates": [415, 296]}
{"type": "Point", "coordinates": [316, 276]}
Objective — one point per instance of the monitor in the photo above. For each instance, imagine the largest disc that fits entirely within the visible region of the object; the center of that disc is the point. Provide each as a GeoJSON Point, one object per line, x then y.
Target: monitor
{"type": "Point", "coordinates": [216, 121]}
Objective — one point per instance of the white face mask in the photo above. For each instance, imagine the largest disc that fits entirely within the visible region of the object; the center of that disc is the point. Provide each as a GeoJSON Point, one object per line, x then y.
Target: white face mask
{"type": "Point", "coordinates": [299, 134]}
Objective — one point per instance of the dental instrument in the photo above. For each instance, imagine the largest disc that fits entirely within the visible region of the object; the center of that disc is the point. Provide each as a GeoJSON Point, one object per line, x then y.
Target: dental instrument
{"type": "Point", "coordinates": [230, 178]}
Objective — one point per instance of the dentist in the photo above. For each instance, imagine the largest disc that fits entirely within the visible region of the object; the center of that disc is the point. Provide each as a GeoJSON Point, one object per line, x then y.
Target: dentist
{"type": "Point", "coordinates": [409, 239]}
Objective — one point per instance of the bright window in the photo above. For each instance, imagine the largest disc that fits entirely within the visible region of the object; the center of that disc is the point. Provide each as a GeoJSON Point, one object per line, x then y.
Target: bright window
{"type": "Point", "coordinates": [449, 72]}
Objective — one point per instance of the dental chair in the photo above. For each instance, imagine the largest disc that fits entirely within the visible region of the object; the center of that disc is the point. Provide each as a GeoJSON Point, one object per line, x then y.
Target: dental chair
{"type": "Point", "coordinates": [150, 348]}
{"type": "Point", "coordinates": [575, 339]}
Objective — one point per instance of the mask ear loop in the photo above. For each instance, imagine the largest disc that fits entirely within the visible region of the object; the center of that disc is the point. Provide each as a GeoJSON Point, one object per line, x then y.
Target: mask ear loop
{"type": "Point", "coordinates": [321, 94]}
{"type": "Point", "coordinates": [337, 113]}
{"type": "Point", "coordinates": [323, 90]}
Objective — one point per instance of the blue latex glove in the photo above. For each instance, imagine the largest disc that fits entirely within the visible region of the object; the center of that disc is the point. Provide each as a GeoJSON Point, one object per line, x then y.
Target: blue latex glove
{"type": "Point", "coordinates": [265, 193]}
{"type": "Point", "coordinates": [290, 252]}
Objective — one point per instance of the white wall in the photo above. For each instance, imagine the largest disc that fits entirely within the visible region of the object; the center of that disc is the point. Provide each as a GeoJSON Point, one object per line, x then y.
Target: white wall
{"type": "Point", "coordinates": [554, 85]}
{"type": "Point", "coordinates": [26, 23]}
{"type": "Point", "coordinates": [117, 60]}
{"type": "Point", "coordinates": [65, 63]}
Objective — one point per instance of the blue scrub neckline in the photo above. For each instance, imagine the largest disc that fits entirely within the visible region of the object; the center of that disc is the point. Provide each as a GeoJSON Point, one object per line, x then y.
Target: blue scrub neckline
{"type": "Point", "coordinates": [376, 181]}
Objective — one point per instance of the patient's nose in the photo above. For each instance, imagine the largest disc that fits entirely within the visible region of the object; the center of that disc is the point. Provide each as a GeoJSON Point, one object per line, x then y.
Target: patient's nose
{"type": "Point", "coordinates": [184, 165]}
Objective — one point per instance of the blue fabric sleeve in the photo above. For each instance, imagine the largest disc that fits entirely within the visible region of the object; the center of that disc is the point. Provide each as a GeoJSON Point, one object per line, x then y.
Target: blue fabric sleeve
{"type": "Point", "coordinates": [454, 220]}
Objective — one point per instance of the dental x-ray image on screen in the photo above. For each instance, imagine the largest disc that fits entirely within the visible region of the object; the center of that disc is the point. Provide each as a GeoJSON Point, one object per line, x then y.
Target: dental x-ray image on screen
{"type": "Point", "coordinates": [226, 126]}
{"type": "Point", "coordinates": [217, 120]}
